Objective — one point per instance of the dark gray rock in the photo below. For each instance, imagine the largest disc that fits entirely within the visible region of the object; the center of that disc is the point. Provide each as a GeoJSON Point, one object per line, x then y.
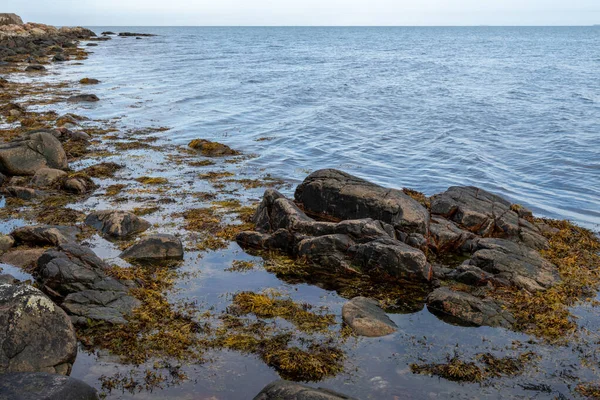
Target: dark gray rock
{"type": "Point", "coordinates": [60, 58]}
{"type": "Point", "coordinates": [28, 154]}
{"type": "Point", "coordinates": [117, 224]}
{"type": "Point", "coordinates": [328, 252]}
{"type": "Point", "coordinates": [37, 336]}
{"type": "Point", "coordinates": [155, 248]}
{"type": "Point", "coordinates": [35, 68]}
{"type": "Point", "coordinates": [366, 318]}
{"type": "Point", "coordinates": [76, 274]}
{"type": "Point", "coordinates": [284, 390]}
{"type": "Point", "coordinates": [336, 194]}
{"type": "Point", "coordinates": [393, 258]}
{"type": "Point", "coordinates": [23, 193]}
{"type": "Point", "coordinates": [517, 263]}
{"type": "Point", "coordinates": [465, 309]}
{"type": "Point", "coordinates": [43, 235]}
{"type": "Point", "coordinates": [446, 236]}
{"type": "Point", "coordinates": [83, 98]}
{"type": "Point", "coordinates": [44, 386]}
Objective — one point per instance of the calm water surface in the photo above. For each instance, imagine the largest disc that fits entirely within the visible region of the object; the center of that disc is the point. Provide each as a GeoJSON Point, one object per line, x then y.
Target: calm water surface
{"type": "Point", "coordinates": [513, 110]}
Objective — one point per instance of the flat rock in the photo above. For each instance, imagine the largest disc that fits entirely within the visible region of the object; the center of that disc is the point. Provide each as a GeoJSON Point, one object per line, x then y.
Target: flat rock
{"type": "Point", "coordinates": [117, 224]}
{"type": "Point", "coordinates": [366, 318]}
{"type": "Point", "coordinates": [22, 257]}
{"type": "Point", "coordinates": [336, 194]}
{"type": "Point", "coordinates": [44, 386]}
{"type": "Point", "coordinates": [37, 335]}
{"type": "Point", "coordinates": [463, 308]}
{"type": "Point", "coordinates": [25, 156]}
{"type": "Point", "coordinates": [285, 390]}
{"type": "Point", "coordinates": [43, 235]}
{"type": "Point", "coordinates": [46, 177]}
{"type": "Point", "coordinates": [155, 248]}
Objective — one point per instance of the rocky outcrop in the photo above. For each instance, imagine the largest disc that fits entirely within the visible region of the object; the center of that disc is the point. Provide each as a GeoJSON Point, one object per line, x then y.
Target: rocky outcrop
{"type": "Point", "coordinates": [37, 336]}
{"type": "Point", "coordinates": [117, 224]}
{"type": "Point", "coordinates": [44, 235]}
{"type": "Point", "coordinates": [155, 248]}
{"type": "Point", "coordinates": [366, 318]}
{"type": "Point", "coordinates": [44, 386]}
{"type": "Point", "coordinates": [10, 19]}
{"type": "Point", "coordinates": [78, 279]}
{"type": "Point", "coordinates": [284, 390]}
{"type": "Point", "coordinates": [25, 156]}
{"type": "Point", "coordinates": [335, 194]}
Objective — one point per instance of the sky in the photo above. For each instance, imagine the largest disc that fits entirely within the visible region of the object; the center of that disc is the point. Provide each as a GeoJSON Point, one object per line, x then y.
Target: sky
{"type": "Point", "coordinates": [305, 12]}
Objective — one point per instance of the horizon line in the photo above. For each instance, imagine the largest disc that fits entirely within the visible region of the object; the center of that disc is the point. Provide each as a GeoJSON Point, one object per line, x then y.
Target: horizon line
{"type": "Point", "coordinates": [345, 26]}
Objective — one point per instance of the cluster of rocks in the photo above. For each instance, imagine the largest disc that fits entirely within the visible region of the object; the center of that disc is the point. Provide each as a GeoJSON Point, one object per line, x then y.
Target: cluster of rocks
{"type": "Point", "coordinates": [339, 222]}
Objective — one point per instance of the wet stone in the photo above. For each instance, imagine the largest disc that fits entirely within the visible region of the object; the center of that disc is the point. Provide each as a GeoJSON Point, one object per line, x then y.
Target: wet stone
{"type": "Point", "coordinates": [285, 390]}
{"type": "Point", "coordinates": [117, 224]}
{"type": "Point", "coordinates": [155, 248]}
{"type": "Point", "coordinates": [44, 386]}
{"type": "Point", "coordinates": [366, 318]}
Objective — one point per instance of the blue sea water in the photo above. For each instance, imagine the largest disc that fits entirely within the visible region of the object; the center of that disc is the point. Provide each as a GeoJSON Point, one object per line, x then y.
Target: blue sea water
{"type": "Point", "coordinates": [515, 110]}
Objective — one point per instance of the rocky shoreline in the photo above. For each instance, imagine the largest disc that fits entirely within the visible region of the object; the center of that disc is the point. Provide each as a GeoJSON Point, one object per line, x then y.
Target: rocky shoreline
{"type": "Point", "coordinates": [472, 257]}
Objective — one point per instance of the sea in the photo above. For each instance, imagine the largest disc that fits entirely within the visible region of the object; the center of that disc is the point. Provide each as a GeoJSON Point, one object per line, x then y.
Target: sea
{"type": "Point", "coordinates": [514, 110]}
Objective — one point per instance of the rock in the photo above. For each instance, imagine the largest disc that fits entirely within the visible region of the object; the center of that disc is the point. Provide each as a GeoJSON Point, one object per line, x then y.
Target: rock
{"type": "Point", "coordinates": [28, 154]}
{"type": "Point", "coordinates": [328, 251]}
{"type": "Point", "coordinates": [469, 275]}
{"type": "Point", "coordinates": [79, 184]}
{"type": "Point", "coordinates": [446, 236]}
{"type": "Point", "coordinates": [135, 34]}
{"type": "Point", "coordinates": [6, 242]}
{"type": "Point", "coordinates": [118, 224]}
{"type": "Point", "coordinates": [37, 336]}
{"type": "Point", "coordinates": [89, 81]}
{"type": "Point", "coordinates": [83, 98]}
{"type": "Point", "coordinates": [24, 258]}
{"type": "Point", "coordinates": [284, 390]}
{"type": "Point", "coordinates": [154, 248]}
{"type": "Point", "coordinates": [335, 194]}
{"type": "Point", "coordinates": [15, 113]}
{"type": "Point", "coordinates": [23, 193]}
{"type": "Point", "coordinates": [517, 263]}
{"type": "Point", "coordinates": [465, 309]}
{"type": "Point", "coordinates": [60, 58]}
{"type": "Point", "coordinates": [108, 33]}
{"type": "Point", "coordinates": [394, 258]}
{"type": "Point", "coordinates": [44, 386]}
{"type": "Point", "coordinates": [212, 149]}
{"type": "Point", "coordinates": [79, 277]}
{"type": "Point", "coordinates": [44, 235]}
{"type": "Point", "coordinates": [92, 44]}
{"type": "Point", "coordinates": [3, 179]}
{"type": "Point", "coordinates": [35, 68]}
{"type": "Point", "coordinates": [46, 177]}
{"type": "Point", "coordinates": [10, 19]}
{"type": "Point", "coordinates": [366, 318]}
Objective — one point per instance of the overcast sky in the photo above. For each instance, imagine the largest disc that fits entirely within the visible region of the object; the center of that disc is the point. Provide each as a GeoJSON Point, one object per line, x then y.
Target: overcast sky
{"type": "Point", "coordinates": [306, 12]}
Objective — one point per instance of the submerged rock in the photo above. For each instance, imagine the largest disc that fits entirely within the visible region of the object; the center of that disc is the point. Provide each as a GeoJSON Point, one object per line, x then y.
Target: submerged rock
{"type": "Point", "coordinates": [87, 98]}
{"type": "Point", "coordinates": [44, 386]}
{"type": "Point", "coordinates": [77, 275]}
{"type": "Point", "coordinates": [118, 224]}
{"type": "Point", "coordinates": [466, 309]}
{"type": "Point", "coordinates": [37, 336]}
{"type": "Point", "coordinates": [26, 155]}
{"type": "Point", "coordinates": [155, 248]}
{"type": "Point", "coordinates": [35, 67]}
{"type": "Point", "coordinates": [336, 194]}
{"type": "Point", "coordinates": [366, 318]}
{"type": "Point", "coordinates": [212, 149]}
{"type": "Point", "coordinates": [284, 390]}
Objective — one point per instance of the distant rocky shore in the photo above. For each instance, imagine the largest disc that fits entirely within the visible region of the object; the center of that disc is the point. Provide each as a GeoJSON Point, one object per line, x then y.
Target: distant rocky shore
{"type": "Point", "coordinates": [481, 260]}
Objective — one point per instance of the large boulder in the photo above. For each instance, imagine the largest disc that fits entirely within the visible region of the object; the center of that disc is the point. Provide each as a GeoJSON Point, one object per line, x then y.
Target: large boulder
{"type": "Point", "coordinates": [80, 279]}
{"type": "Point", "coordinates": [466, 309]}
{"type": "Point", "coordinates": [44, 235]}
{"type": "Point", "coordinates": [155, 248]}
{"type": "Point", "coordinates": [330, 193]}
{"type": "Point", "coordinates": [46, 177]}
{"type": "Point", "coordinates": [117, 224]}
{"type": "Point", "coordinates": [520, 265]}
{"type": "Point", "coordinates": [44, 386]}
{"type": "Point", "coordinates": [36, 335]}
{"type": "Point", "coordinates": [10, 19]}
{"type": "Point", "coordinates": [285, 390]}
{"type": "Point", "coordinates": [28, 154]}
{"type": "Point", "coordinates": [366, 318]}
{"type": "Point", "coordinates": [22, 257]}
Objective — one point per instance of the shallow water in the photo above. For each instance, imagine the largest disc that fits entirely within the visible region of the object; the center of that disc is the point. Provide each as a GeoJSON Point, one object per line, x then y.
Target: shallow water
{"type": "Point", "coordinates": [513, 110]}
